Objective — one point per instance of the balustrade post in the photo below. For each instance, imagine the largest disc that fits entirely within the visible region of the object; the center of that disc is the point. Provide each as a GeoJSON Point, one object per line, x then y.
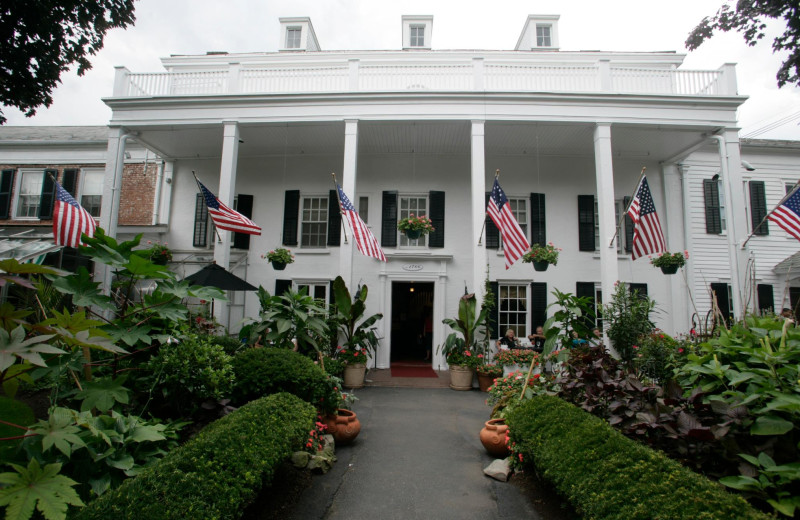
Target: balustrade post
{"type": "Point", "coordinates": [353, 65]}
{"type": "Point", "coordinates": [478, 72]}
{"type": "Point", "coordinates": [727, 80]}
{"type": "Point", "coordinates": [234, 77]}
{"type": "Point", "coordinates": [120, 81]}
{"type": "Point", "coordinates": [604, 71]}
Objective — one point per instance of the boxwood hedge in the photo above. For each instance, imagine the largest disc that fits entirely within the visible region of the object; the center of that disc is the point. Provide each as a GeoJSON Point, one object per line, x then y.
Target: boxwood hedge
{"type": "Point", "coordinates": [608, 476]}
{"type": "Point", "coordinates": [216, 474]}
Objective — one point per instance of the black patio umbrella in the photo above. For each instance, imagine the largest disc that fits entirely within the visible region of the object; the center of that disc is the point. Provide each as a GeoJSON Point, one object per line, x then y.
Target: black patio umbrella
{"type": "Point", "coordinates": [213, 275]}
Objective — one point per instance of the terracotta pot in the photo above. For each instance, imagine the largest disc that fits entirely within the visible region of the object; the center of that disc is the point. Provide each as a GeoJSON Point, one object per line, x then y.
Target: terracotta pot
{"type": "Point", "coordinates": [493, 438]}
{"type": "Point", "coordinates": [460, 377]}
{"type": "Point", "coordinates": [354, 375]}
{"type": "Point", "coordinates": [484, 382]}
{"type": "Point", "coordinates": [669, 269]}
{"type": "Point", "coordinates": [344, 426]}
{"type": "Point", "coordinates": [541, 266]}
{"type": "Point", "coordinates": [278, 266]}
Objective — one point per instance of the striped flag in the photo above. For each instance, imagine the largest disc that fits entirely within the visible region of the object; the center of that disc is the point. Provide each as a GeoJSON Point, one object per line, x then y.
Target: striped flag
{"type": "Point", "coordinates": [515, 243]}
{"type": "Point", "coordinates": [70, 220]}
{"type": "Point", "coordinates": [647, 236]}
{"type": "Point", "coordinates": [787, 214]}
{"type": "Point", "coordinates": [226, 218]}
{"type": "Point", "coordinates": [365, 240]}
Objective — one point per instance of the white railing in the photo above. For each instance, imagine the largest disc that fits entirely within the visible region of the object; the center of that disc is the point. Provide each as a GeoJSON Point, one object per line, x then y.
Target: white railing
{"type": "Point", "coordinates": [459, 75]}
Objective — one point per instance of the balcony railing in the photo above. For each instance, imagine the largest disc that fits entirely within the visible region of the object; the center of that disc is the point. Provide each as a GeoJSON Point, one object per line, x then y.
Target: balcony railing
{"type": "Point", "coordinates": [464, 75]}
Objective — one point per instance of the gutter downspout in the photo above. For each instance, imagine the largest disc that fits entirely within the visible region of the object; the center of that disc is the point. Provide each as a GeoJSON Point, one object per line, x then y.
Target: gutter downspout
{"type": "Point", "coordinates": [116, 188]}
{"type": "Point", "coordinates": [157, 197]}
{"type": "Point", "coordinates": [687, 238]}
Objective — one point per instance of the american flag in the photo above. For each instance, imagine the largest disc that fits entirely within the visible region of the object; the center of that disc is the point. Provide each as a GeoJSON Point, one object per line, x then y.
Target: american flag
{"type": "Point", "coordinates": [515, 243]}
{"type": "Point", "coordinates": [70, 220]}
{"type": "Point", "coordinates": [647, 236]}
{"type": "Point", "coordinates": [365, 240]}
{"type": "Point", "coordinates": [226, 218]}
{"type": "Point", "coordinates": [787, 214]}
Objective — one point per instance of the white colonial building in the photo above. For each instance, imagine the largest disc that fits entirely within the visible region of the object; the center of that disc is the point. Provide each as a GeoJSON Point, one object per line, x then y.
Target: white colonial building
{"type": "Point", "coordinates": [420, 130]}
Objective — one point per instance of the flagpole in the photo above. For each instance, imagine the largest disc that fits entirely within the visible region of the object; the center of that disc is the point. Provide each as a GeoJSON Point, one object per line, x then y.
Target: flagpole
{"type": "Point", "coordinates": [336, 188]}
{"type": "Point", "coordinates": [778, 205]}
{"type": "Point", "coordinates": [219, 238]}
{"type": "Point", "coordinates": [625, 214]}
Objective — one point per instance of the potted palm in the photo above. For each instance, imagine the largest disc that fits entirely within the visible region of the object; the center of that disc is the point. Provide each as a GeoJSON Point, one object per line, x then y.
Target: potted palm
{"type": "Point", "coordinates": [279, 258]}
{"type": "Point", "coordinates": [461, 346]}
{"type": "Point", "coordinates": [541, 256]}
{"type": "Point", "coordinates": [670, 262]}
{"type": "Point", "coordinates": [360, 336]}
{"type": "Point", "coordinates": [415, 227]}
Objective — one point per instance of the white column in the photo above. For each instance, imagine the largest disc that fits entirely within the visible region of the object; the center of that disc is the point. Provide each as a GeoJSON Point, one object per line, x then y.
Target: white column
{"type": "Point", "coordinates": [477, 207]}
{"type": "Point", "coordinates": [165, 203]}
{"type": "Point", "coordinates": [604, 174]}
{"type": "Point", "coordinates": [680, 316]}
{"type": "Point", "coordinates": [348, 182]}
{"type": "Point", "coordinates": [109, 205]}
{"type": "Point", "coordinates": [227, 186]}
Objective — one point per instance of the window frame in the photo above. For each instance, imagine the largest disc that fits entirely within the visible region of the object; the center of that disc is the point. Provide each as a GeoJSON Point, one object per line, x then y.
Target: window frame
{"type": "Point", "coordinates": [323, 222]}
{"type": "Point", "coordinates": [402, 240]}
{"type": "Point", "coordinates": [548, 38]}
{"type": "Point", "coordinates": [84, 173]}
{"type": "Point", "coordinates": [363, 208]}
{"type": "Point", "coordinates": [619, 207]}
{"type": "Point", "coordinates": [21, 173]}
{"type": "Point", "coordinates": [503, 326]}
{"type": "Point", "coordinates": [416, 32]}
{"type": "Point", "coordinates": [525, 226]}
{"type": "Point", "coordinates": [315, 284]}
{"type": "Point", "coordinates": [290, 39]}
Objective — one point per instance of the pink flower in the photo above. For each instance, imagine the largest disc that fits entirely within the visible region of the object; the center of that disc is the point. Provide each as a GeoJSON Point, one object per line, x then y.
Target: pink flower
{"type": "Point", "coordinates": [635, 346]}
{"type": "Point", "coordinates": [680, 351]}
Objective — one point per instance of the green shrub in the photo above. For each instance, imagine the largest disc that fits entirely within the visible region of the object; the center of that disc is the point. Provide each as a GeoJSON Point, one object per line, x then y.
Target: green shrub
{"type": "Point", "coordinates": [608, 476]}
{"type": "Point", "coordinates": [196, 369]}
{"type": "Point", "coordinates": [264, 371]}
{"type": "Point", "coordinates": [219, 472]}
{"type": "Point", "coordinates": [231, 344]}
{"type": "Point", "coordinates": [18, 413]}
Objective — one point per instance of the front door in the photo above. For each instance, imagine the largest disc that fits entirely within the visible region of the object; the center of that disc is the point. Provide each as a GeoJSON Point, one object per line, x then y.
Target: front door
{"type": "Point", "coordinates": [412, 321]}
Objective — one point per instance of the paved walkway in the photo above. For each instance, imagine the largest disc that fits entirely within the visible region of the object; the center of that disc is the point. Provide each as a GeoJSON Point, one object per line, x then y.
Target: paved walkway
{"type": "Point", "coordinates": [418, 456]}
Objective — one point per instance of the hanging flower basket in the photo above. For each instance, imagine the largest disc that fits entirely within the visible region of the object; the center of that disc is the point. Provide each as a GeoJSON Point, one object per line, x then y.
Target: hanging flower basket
{"type": "Point", "coordinates": [541, 256]}
{"type": "Point", "coordinates": [669, 263]}
{"type": "Point", "coordinates": [413, 234]}
{"type": "Point", "coordinates": [278, 266]}
{"type": "Point", "coordinates": [669, 269]}
{"type": "Point", "coordinates": [279, 258]}
{"type": "Point", "coordinates": [414, 227]}
{"type": "Point", "coordinates": [540, 266]}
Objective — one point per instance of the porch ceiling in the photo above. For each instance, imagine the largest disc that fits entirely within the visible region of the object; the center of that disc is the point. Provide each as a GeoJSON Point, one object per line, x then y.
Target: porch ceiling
{"type": "Point", "coordinates": [649, 143]}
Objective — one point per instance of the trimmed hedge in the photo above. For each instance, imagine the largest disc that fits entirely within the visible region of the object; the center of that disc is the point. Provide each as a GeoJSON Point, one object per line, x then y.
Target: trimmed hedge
{"type": "Point", "coordinates": [264, 371]}
{"type": "Point", "coordinates": [608, 476]}
{"type": "Point", "coordinates": [216, 474]}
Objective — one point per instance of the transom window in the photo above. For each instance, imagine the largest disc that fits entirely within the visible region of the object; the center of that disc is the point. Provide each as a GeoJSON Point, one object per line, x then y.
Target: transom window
{"type": "Point", "coordinates": [92, 191]}
{"type": "Point", "coordinates": [30, 193]}
{"type": "Point", "coordinates": [513, 312]}
{"type": "Point", "coordinates": [417, 35]}
{"type": "Point", "coordinates": [314, 218]}
{"type": "Point", "coordinates": [543, 38]}
{"type": "Point", "coordinates": [293, 37]}
{"type": "Point", "coordinates": [418, 207]}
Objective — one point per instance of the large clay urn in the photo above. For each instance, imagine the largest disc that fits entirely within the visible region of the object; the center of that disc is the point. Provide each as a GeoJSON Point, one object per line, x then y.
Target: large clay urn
{"type": "Point", "coordinates": [343, 425]}
{"type": "Point", "coordinates": [460, 377]}
{"type": "Point", "coordinates": [354, 375]}
{"type": "Point", "coordinates": [493, 438]}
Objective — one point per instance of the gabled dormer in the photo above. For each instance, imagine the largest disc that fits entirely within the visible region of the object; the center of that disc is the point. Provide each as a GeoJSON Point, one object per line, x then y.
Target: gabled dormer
{"type": "Point", "coordinates": [417, 31]}
{"type": "Point", "coordinates": [297, 34]}
{"type": "Point", "coordinates": [539, 34]}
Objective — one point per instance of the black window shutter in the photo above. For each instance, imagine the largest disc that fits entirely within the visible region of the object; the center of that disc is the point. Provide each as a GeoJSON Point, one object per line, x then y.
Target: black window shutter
{"type": "Point", "coordinates": [640, 288]}
{"type": "Point", "coordinates": [69, 181]}
{"type": "Point", "coordinates": [244, 205]}
{"type": "Point", "coordinates": [794, 299]}
{"type": "Point", "coordinates": [723, 299]}
{"type": "Point", "coordinates": [200, 238]}
{"type": "Point", "coordinates": [291, 212]}
{"type": "Point", "coordinates": [495, 314]}
{"type": "Point", "coordinates": [538, 304]}
{"type": "Point", "coordinates": [492, 233]}
{"type": "Point", "coordinates": [585, 289]}
{"type": "Point", "coordinates": [711, 199]}
{"type": "Point", "coordinates": [331, 296]}
{"type": "Point", "coordinates": [334, 220]}
{"type": "Point", "coordinates": [758, 207]}
{"type": "Point", "coordinates": [6, 181]}
{"type": "Point", "coordinates": [629, 229]}
{"type": "Point", "coordinates": [586, 223]}
{"type": "Point", "coordinates": [538, 222]}
{"type": "Point", "coordinates": [389, 219]}
{"type": "Point", "coordinates": [436, 214]}
{"type": "Point", "coordinates": [281, 286]}
{"type": "Point", "coordinates": [766, 299]}
{"type": "Point", "coordinates": [48, 194]}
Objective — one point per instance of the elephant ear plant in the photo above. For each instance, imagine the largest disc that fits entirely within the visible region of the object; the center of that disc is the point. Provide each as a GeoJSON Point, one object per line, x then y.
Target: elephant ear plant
{"type": "Point", "coordinates": [469, 325]}
{"type": "Point", "coordinates": [349, 314]}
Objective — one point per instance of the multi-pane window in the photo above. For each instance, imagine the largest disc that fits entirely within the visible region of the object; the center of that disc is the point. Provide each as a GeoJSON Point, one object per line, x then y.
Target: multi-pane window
{"type": "Point", "coordinates": [519, 208]}
{"type": "Point", "coordinates": [513, 312]}
{"type": "Point", "coordinates": [30, 193]}
{"type": "Point", "coordinates": [363, 209]}
{"type": "Point", "coordinates": [293, 37]}
{"type": "Point", "coordinates": [618, 209]}
{"type": "Point", "coordinates": [722, 218]}
{"type": "Point", "coordinates": [417, 35]}
{"type": "Point", "coordinates": [416, 206]}
{"type": "Point", "coordinates": [314, 218]}
{"type": "Point", "coordinates": [543, 38]}
{"type": "Point", "coordinates": [318, 291]}
{"type": "Point", "coordinates": [92, 191]}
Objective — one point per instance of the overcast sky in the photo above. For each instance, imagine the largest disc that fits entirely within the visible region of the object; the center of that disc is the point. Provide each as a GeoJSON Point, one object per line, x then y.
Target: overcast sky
{"type": "Point", "coordinates": [165, 27]}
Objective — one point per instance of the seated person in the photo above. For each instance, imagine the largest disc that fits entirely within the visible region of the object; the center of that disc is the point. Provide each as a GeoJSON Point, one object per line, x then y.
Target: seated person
{"type": "Point", "coordinates": [576, 341]}
{"type": "Point", "coordinates": [537, 340]}
{"type": "Point", "coordinates": [508, 341]}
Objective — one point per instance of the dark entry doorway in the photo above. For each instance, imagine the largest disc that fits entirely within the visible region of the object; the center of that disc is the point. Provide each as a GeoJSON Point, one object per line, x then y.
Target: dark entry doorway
{"type": "Point", "coordinates": [412, 315]}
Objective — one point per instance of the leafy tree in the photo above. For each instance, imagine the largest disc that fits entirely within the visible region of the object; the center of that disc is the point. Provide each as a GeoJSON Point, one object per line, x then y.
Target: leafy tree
{"type": "Point", "coordinates": [44, 38]}
{"type": "Point", "coordinates": [749, 18]}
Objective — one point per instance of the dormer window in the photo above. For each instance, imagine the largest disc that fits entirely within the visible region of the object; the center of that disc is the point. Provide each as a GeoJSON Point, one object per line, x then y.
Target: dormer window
{"type": "Point", "coordinates": [543, 35]}
{"type": "Point", "coordinates": [417, 36]}
{"type": "Point", "coordinates": [539, 34]}
{"type": "Point", "coordinates": [417, 31]}
{"type": "Point", "coordinates": [293, 37]}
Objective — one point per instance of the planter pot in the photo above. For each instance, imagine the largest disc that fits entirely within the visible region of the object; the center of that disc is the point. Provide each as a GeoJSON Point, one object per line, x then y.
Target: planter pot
{"type": "Point", "coordinates": [460, 377]}
{"type": "Point", "coordinates": [493, 438]}
{"type": "Point", "coordinates": [669, 269]}
{"type": "Point", "coordinates": [541, 266]}
{"type": "Point", "coordinates": [413, 234]}
{"type": "Point", "coordinates": [159, 260]}
{"type": "Point", "coordinates": [344, 426]}
{"type": "Point", "coordinates": [484, 382]}
{"type": "Point", "coordinates": [278, 266]}
{"type": "Point", "coordinates": [354, 375]}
